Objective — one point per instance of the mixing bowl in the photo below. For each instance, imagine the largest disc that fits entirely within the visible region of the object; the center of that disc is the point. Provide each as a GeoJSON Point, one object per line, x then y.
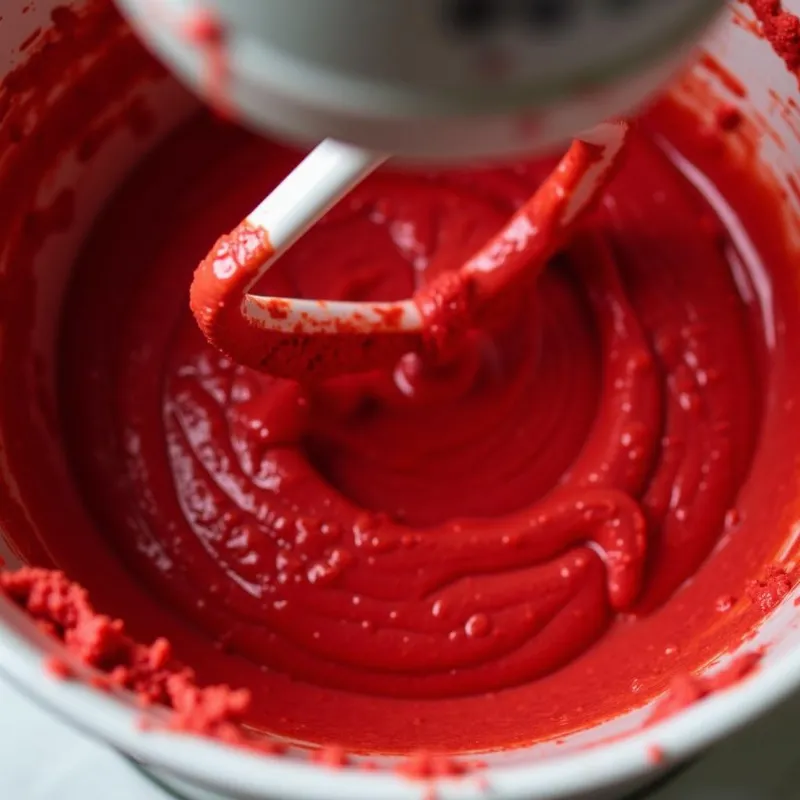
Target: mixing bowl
{"type": "Point", "coordinates": [607, 761]}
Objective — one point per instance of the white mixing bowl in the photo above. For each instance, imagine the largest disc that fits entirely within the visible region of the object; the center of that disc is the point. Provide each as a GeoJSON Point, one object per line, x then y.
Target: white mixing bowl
{"type": "Point", "coordinates": [205, 769]}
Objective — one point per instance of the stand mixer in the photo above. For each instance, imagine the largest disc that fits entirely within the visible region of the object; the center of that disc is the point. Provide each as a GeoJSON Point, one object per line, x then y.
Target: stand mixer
{"type": "Point", "coordinates": [421, 81]}
{"type": "Point", "coordinates": [437, 80]}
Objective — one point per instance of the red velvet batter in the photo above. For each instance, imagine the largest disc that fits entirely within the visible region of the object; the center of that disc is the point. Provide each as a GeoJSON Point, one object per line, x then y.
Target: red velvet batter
{"type": "Point", "coordinates": [63, 610]}
{"type": "Point", "coordinates": [781, 28]}
{"type": "Point", "coordinates": [686, 690]}
{"type": "Point", "coordinates": [449, 559]}
{"type": "Point", "coordinates": [768, 591]}
{"type": "Point", "coordinates": [467, 537]}
{"type": "Point", "coordinates": [204, 29]}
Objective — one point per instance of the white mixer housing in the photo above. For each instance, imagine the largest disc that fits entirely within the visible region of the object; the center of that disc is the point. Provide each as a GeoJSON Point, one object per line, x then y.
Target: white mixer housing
{"type": "Point", "coordinates": [442, 80]}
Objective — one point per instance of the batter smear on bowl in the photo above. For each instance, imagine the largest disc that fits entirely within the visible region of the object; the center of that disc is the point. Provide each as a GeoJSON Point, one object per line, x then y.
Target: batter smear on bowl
{"type": "Point", "coordinates": [460, 556]}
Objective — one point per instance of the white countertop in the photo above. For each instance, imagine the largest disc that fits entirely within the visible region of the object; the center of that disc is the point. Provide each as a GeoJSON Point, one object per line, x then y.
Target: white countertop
{"type": "Point", "coordinates": [762, 763]}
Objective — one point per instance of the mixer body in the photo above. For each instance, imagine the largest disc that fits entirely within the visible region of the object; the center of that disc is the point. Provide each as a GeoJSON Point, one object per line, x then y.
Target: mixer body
{"type": "Point", "coordinates": [441, 80]}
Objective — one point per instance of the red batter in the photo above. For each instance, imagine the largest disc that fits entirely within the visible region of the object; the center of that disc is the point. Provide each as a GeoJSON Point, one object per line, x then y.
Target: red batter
{"type": "Point", "coordinates": [685, 690]}
{"type": "Point", "coordinates": [204, 29]}
{"type": "Point", "coordinates": [781, 28]}
{"type": "Point", "coordinates": [63, 610]}
{"type": "Point", "coordinates": [456, 559]}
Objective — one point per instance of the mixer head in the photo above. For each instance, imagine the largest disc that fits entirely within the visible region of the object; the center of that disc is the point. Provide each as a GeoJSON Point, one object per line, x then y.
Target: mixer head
{"type": "Point", "coordinates": [425, 79]}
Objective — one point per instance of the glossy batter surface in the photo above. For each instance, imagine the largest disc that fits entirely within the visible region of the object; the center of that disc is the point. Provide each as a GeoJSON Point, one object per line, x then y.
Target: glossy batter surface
{"type": "Point", "coordinates": [426, 535]}
{"type": "Point", "coordinates": [582, 504]}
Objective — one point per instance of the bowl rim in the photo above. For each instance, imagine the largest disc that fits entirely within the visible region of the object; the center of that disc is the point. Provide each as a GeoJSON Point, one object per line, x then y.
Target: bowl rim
{"type": "Point", "coordinates": [213, 765]}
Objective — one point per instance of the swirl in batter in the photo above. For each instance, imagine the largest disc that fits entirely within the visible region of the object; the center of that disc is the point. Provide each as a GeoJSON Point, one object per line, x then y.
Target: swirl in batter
{"type": "Point", "coordinates": [428, 532]}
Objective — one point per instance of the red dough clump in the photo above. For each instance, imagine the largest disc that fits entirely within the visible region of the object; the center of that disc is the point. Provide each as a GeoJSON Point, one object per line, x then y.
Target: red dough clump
{"type": "Point", "coordinates": [767, 592]}
{"type": "Point", "coordinates": [63, 610]}
{"type": "Point", "coordinates": [780, 28]}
